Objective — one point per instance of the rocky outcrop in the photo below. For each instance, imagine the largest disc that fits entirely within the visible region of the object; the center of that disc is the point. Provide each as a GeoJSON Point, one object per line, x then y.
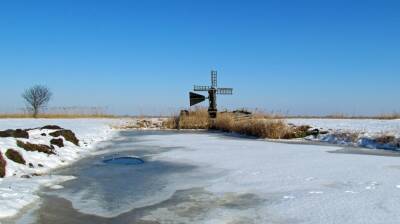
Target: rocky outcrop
{"type": "Point", "coordinates": [57, 141]}
{"type": "Point", "coordinates": [67, 134]}
{"type": "Point", "coordinates": [15, 156]}
{"type": "Point", "coordinates": [18, 133]}
{"type": "Point", "coordinates": [51, 127]}
{"type": "Point", "coordinates": [35, 147]}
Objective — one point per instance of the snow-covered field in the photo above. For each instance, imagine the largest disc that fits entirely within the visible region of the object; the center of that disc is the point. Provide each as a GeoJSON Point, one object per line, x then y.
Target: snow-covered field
{"type": "Point", "coordinates": [369, 127]}
{"type": "Point", "coordinates": [356, 132]}
{"type": "Point", "coordinates": [17, 192]}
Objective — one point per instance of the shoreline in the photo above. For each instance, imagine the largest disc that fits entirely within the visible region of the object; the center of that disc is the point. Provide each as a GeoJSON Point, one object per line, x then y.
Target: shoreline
{"type": "Point", "coordinates": [16, 192]}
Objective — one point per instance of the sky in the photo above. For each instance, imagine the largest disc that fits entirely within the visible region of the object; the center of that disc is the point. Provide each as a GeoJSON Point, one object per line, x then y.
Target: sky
{"type": "Point", "coordinates": [143, 57]}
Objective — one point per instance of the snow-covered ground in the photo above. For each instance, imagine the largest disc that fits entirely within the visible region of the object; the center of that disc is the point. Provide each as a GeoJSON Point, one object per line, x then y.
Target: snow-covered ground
{"type": "Point", "coordinates": [369, 127]}
{"type": "Point", "coordinates": [17, 192]}
{"type": "Point", "coordinates": [355, 132]}
{"type": "Point", "coordinates": [296, 183]}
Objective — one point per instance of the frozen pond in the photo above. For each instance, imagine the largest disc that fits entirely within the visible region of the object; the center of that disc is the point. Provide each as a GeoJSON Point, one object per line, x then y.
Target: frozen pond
{"type": "Point", "coordinates": [211, 178]}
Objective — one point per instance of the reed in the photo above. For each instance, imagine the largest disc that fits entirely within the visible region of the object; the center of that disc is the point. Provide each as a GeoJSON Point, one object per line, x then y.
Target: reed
{"type": "Point", "coordinates": [259, 125]}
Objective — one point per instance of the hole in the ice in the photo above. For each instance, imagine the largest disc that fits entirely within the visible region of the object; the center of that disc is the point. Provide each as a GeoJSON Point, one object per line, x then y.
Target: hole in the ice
{"type": "Point", "coordinates": [124, 160]}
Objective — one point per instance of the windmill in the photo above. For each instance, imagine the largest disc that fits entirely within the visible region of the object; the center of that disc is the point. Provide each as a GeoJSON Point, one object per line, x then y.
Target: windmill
{"type": "Point", "coordinates": [212, 90]}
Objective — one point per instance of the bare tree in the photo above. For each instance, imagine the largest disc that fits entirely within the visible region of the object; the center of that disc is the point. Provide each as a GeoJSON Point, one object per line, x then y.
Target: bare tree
{"type": "Point", "coordinates": [36, 98]}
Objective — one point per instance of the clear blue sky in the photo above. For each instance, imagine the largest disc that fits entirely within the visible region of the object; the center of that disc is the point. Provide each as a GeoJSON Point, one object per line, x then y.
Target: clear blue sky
{"type": "Point", "coordinates": [300, 57]}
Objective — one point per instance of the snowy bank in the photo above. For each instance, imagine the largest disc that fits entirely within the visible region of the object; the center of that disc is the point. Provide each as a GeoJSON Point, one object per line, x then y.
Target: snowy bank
{"type": "Point", "coordinates": [368, 133]}
{"type": "Point", "coordinates": [17, 192]}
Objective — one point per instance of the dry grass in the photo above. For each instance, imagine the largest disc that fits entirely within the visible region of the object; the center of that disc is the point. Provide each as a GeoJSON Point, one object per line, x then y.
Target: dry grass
{"type": "Point", "coordinates": [225, 122]}
{"type": "Point", "coordinates": [262, 128]}
{"type": "Point", "coordinates": [57, 116]}
{"type": "Point", "coordinates": [386, 139]}
{"type": "Point", "coordinates": [171, 123]}
{"type": "Point", "coordinates": [259, 125]}
{"type": "Point", "coordinates": [196, 119]}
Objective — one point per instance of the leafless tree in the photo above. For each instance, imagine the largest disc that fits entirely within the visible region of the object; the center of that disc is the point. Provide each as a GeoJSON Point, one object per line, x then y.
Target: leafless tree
{"type": "Point", "coordinates": [36, 98]}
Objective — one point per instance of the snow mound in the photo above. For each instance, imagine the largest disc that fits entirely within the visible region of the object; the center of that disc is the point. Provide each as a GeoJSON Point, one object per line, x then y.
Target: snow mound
{"type": "Point", "coordinates": [17, 192]}
{"type": "Point", "coordinates": [367, 133]}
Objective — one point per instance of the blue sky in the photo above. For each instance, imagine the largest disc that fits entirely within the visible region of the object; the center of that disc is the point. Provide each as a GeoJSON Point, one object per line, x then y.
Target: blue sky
{"type": "Point", "coordinates": [142, 57]}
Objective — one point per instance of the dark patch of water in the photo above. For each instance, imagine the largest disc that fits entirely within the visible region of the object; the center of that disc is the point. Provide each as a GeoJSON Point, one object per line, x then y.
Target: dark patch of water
{"type": "Point", "coordinates": [125, 160]}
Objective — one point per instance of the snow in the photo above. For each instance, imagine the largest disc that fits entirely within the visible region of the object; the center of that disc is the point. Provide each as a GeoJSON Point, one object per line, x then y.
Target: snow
{"type": "Point", "coordinates": [300, 183]}
{"type": "Point", "coordinates": [17, 192]}
{"type": "Point", "coordinates": [355, 132]}
{"type": "Point", "coordinates": [369, 127]}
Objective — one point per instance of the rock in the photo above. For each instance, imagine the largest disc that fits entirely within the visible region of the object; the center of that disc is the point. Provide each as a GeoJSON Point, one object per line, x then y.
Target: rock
{"type": "Point", "coordinates": [313, 132]}
{"type": "Point", "coordinates": [323, 132]}
{"type": "Point", "coordinates": [40, 165]}
{"type": "Point", "coordinates": [31, 165]}
{"type": "Point", "coordinates": [35, 147]}
{"type": "Point", "coordinates": [3, 164]}
{"type": "Point", "coordinates": [15, 156]}
{"type": "Point", "coordinates": [57, 141]}
{"type": "Point", "coordinates": [67, 134]}
{"type": "Point", "coordinates": [18, 133]}
{"type": "Point", "coordinates": [43, 134]}
{"type": "Point", "coordinates": [51, 127]}
{"type": "Point", "coordinates": [26, 176]}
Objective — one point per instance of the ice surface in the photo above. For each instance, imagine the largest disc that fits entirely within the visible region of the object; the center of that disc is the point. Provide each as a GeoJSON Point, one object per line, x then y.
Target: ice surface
{"type": "Point", "coordinates": [301, 183]}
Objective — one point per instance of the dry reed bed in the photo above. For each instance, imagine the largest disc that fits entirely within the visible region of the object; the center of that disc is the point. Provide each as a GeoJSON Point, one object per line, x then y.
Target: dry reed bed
{"type": "Point", "coordinates": [260, 125]}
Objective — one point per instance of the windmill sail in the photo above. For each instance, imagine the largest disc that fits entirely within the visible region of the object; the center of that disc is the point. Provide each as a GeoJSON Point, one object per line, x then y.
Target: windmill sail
{"type": "Point", "coordinates": [196, 98]}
